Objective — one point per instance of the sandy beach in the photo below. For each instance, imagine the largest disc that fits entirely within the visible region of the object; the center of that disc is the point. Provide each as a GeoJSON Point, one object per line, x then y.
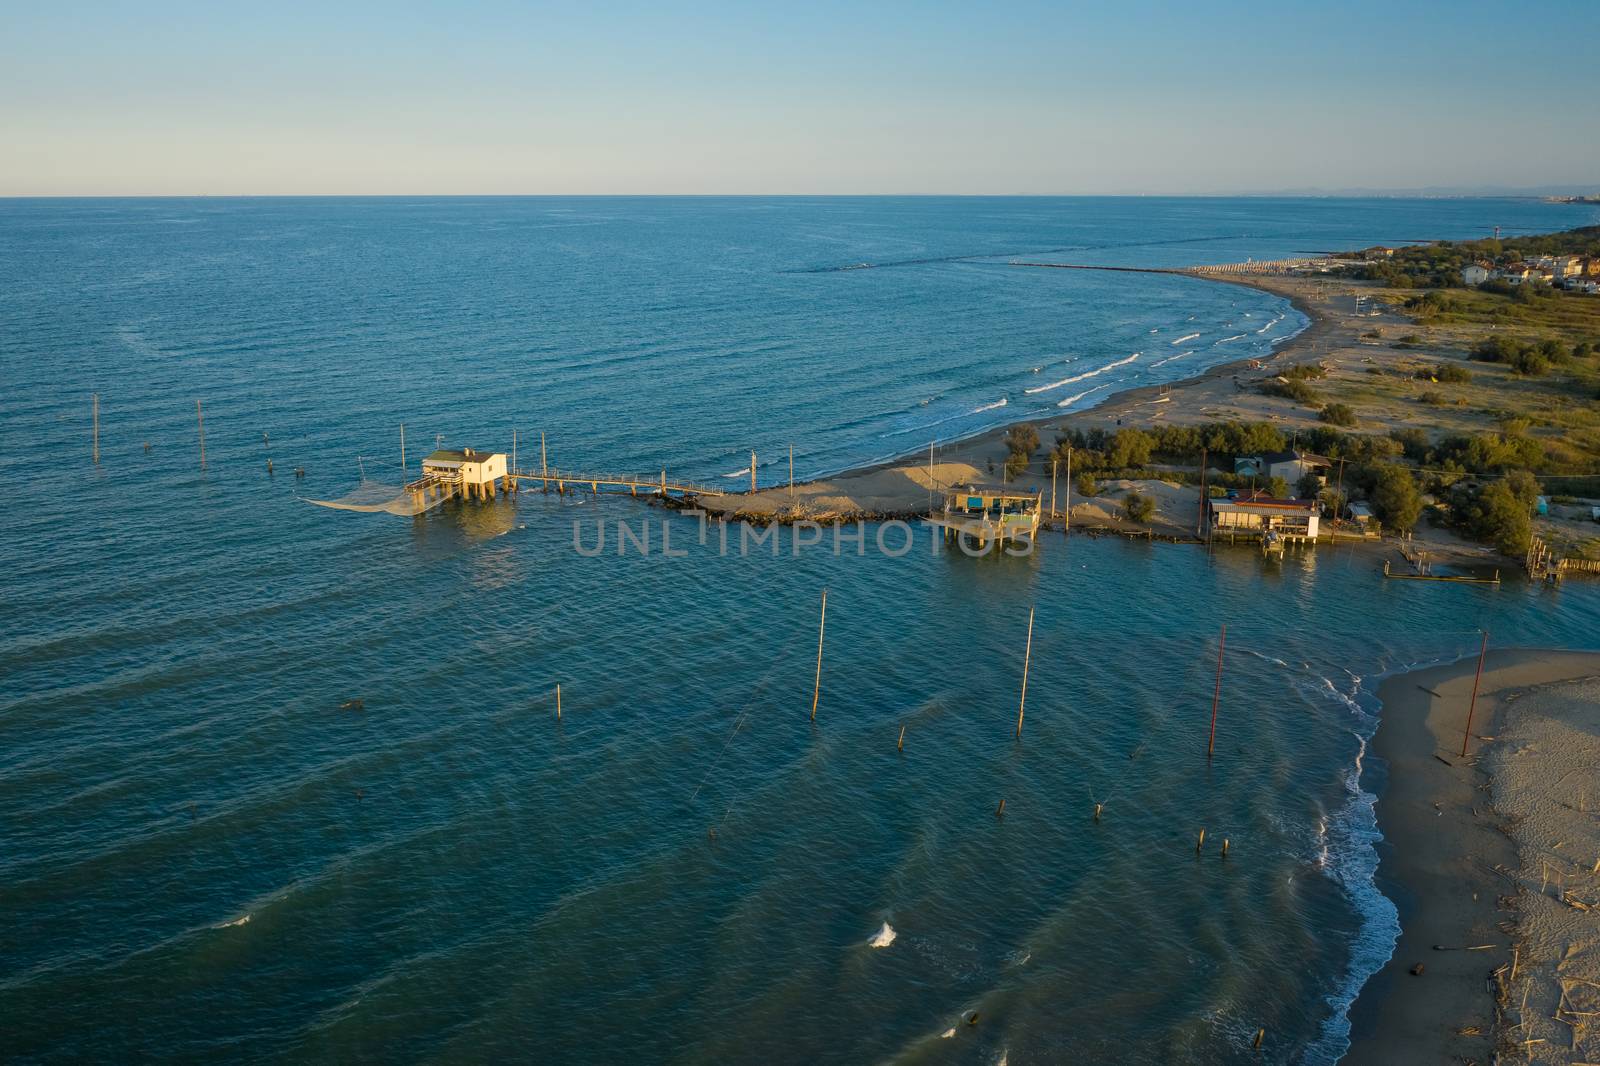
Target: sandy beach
{"type": "Point", "coordinates": [1491, 861]}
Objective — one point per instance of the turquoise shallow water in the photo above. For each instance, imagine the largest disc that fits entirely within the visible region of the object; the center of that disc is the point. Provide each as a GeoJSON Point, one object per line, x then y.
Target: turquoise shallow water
{"type": "Point", "coordinates": [202, 857]}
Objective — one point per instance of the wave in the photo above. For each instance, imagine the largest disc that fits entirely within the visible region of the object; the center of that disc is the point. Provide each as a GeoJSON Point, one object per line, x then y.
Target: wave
{"type": "Point", "coordinates": [1186, 337]}
{"type": "Point", "coordinates": [245, 920]}
{"type": "Point", "coordinates": [1235, 337]}
{"type": "Point", "coordinates": [1170, 358]}
{"type": "Point", "coordinates": [739, 473]}
{"type": "Point", "coordinates": [1073, 399]}
{"type": "Point", "coordinates": [1001, 402]}
{"type": "Point", "coordinates": [1085, 374]}
{"type": "Point", "coordinates": [1270, 324]}
{"type": "Point", "coordinates": [883, 937]}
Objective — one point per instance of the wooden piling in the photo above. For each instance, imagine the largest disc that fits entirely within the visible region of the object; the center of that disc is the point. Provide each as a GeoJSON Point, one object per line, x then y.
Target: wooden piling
{"type": "Point", "coordinates": [1027, 655]}
{"type": "Point", "coordinates": [791, 471]}
{"type": "Point", "coordinates": [1216, 695]}
{"type": "Point", "coordinates": [1098, 807]}
{"type": "Point", "coordinates": [1199, 845]}
{"type": "Point", "coordinates": [1224, 847]}
{"type": "Point", "coordinates": [1261, 1034]}
{"type": "Point", "coordinates": [558, 702]}
{"type": "Point", "coordinates": [752, 471]}
{"type": "Point", "coordinates": [97, 429]}
{"type": "Point", "coordinates": [1466, 734]}
{"type": "Point", "coordinates": [1000, 811]}
{"type": "Point", "coordinates": [544, 467]}
{"type": "Point", "coordinates": [201, 415]}
{"type": "Point", "coordinates": [822, 627]}
{"type": "Point", "coordinates": [1054, 463]}
{"type": "Point", "coordinates": [900, 745]}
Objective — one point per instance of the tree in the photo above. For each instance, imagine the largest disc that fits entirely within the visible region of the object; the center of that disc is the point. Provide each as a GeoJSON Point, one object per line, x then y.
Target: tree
{"type": "Point", "coordinates": [1278, 488]}
{"type": "Point", "coordinates": [1395, 499]}
{"type": "Point", "coordinates": [1500, 516]}
{"type": "Point", "coordinates": [1129, 448]}
{"type": "Point", "coordinates": [1310, 484]}
{"type": "Point", "coordinates": [1086, 485]}
{"type": "Point", "coordinates": [1022, 439]}
{"type": "Point", "coordinates": [1016, 464]}
{"type": "Point", "coordinates": [1138, 507]}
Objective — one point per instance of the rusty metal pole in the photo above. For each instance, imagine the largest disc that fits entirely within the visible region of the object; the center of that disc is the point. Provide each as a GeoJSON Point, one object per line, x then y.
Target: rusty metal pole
{"type": "Point", "coordinates": [1216, 696]}
{"type": "Point", "coordinates": [1466, 735]}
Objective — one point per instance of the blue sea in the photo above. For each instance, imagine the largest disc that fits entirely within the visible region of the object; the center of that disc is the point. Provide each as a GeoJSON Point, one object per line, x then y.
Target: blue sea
{"type": "Point", "coordinates": [210, 851]}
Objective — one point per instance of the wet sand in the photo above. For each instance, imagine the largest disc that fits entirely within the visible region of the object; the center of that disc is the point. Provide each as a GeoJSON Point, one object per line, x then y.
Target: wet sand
{"type": "Point", "coordinates": [1467, 843]}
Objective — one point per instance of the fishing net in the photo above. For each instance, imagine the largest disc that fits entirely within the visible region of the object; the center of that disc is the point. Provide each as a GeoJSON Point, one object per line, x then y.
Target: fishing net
{"type": "Point", "coordinates": [371, 496]}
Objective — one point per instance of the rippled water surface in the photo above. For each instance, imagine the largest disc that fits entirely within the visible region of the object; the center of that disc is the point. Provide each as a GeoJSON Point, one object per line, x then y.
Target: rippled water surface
{"type": "Point", "coordinates": [203, 856]}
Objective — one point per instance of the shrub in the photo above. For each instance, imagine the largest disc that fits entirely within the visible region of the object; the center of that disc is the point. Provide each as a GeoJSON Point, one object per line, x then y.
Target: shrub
{"type": "Point", "coordinates": [1338, 414]}
{"type": "Point", "coordinates": [1450, 374]}
{"type": "Point", "coordinates": [1294, 389]}
{"type": "Point", "coordinates": [1433, 398]}
{"type": "Point", "coordinates": [1016, 465]}
{"type": "Point", "coordinates": [1086, 485]}
{"type": "Point", "coordinates": [1138, 507]}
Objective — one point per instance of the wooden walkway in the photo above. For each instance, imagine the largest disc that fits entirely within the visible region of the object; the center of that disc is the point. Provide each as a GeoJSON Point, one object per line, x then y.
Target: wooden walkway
{"type": "Point", "coordinates": [576, 481]}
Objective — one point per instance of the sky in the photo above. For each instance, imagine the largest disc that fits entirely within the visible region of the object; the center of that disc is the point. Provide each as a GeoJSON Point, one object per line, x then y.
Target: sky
{"type": "Point", "coordinates": [357, 98]}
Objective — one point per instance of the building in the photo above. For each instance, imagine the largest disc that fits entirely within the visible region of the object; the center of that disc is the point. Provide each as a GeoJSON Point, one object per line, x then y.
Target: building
{"type": "Point", "coordinates": [1291, 465]}
{"type": "Point", "coordinates": [989, 516]}
{"type": "Point", "coordinates": [1257, 515]}
{"type": "Point", "coordinates": [1475, 274]}
{"type": "Point", "coordinates": [1522, 274]}
{"type": "Point", "coordinates": [1361, 514]}
{"type": "Point", "coordinates": [1567, 266]}
{"type": "Point", "coordinates": [467, 471]}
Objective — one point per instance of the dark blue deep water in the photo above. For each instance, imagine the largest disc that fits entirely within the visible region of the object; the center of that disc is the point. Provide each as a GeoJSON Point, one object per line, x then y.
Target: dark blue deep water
{"type": "Point", "coordinates": [202, 857]}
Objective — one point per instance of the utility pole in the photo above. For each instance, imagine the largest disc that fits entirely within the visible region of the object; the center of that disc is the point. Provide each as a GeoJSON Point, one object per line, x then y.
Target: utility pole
{"type": "Point", "coordinates": [1054, 462]}
{"type": "Point", "coordinates": [1068, 527]}
{"type": "Point", "coordinates": [752, 470]}
{"type": "Point", "coordinates": [402, 447]}
{"type": "Point", "coordinates": [791, 471]}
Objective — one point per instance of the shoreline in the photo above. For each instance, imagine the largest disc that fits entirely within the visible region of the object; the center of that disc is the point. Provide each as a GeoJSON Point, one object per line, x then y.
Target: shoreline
{"type": "Point", "coordinates": [1449, 857]}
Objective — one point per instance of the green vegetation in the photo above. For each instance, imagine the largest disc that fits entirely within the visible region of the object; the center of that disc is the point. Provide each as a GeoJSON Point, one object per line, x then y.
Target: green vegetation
{"type": "Point", "coordinates": [1395, 498]}
{"type": "Point", "coordinates": [1499, 512]}
{"type": "Point", "coordinates": [1086, 485]}
{"type": "Point", "coordinates": [1438, 265]}
{"type": "Point", "coordinates": [1338, 414]}
{"type": "Point", "coordinates": [1138, 507]}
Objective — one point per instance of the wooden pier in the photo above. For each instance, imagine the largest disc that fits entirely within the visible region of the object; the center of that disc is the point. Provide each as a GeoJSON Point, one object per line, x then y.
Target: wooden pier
{"type": "Point", "coordinates": [635, 484]}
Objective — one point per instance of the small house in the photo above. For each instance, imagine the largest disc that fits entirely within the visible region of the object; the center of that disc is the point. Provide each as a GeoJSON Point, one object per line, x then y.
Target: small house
{"type": "Point", "coordinates": [1256, 515]}
{"type": "Point", "coordinates": [1361, 514]}
{"type": "Point", "coordinates": [989, 514]}
{"type": "Point", "coordinates": [468, 471]}
{"type": "Point", "coordinates": [1474, 274]}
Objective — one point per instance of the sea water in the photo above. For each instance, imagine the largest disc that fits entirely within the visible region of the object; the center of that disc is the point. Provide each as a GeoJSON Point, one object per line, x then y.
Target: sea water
{"type": "Point", "coordinates": [209, 850]}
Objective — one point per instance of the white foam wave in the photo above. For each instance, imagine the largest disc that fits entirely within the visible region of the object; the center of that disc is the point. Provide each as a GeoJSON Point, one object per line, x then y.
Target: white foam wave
{"type": "Point", "coordinates": [1001, 402]}
{"type": "Point", "coordinates": [883, 938]}
{"type": "Point", "coordinates": [1074, 399]}
{"type": "Point", "coordinates": [1082, 376]}
{"type": "Point", "coordinates": [243, 920]}
{"type": "Point", "coordinates": [739, 473]}
{"type": "Point", "coordinates": [1235, 337]}
{"type": "Point", "coordinates": [1186, 337]}
{"type": "Point", "coordinates": [1171, 358]}
{"type": "Point", "coordinates": [1270, 324]}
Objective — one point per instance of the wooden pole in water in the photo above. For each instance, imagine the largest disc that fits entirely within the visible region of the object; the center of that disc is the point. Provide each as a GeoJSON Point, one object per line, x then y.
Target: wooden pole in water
{"type": "Point", "coordinates": [1216, 696]}
{"type": "Point", "coordinates": [1026, 656]}
{"type": "Point", "coordinates": [1054, 462]}
{"type": "Point", "coordinates": [930, 477]}
{"type": "Point", "coordinates": [816, 689]}
{"type": "Point", "coordinates": [752, 470]}
{"type": "Point", "coordinates": [513, 450]}
{"type": "Point", "coordinates": [201, 415]}
{"type": "Point", "coordinates": [1000, 811]}
{"type": "Point", "coordinates": [791, 471]}
{"type": "Point", "coordinates": [1466, 734]}
{"type": "Point", "coordinates": [402, 446]}
{"type": "Point", "coordinates": [900, 745]}
{"type": "Point", "coordinates": [544, 467]}
{"type": "Point", "coordinates": [558, 702]}
{"type": "Point", "coordinates": [97, 428]}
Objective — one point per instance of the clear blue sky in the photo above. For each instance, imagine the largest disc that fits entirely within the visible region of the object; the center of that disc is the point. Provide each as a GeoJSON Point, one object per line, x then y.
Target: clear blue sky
{"type": "Point", "coordinates": [800, 97]}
